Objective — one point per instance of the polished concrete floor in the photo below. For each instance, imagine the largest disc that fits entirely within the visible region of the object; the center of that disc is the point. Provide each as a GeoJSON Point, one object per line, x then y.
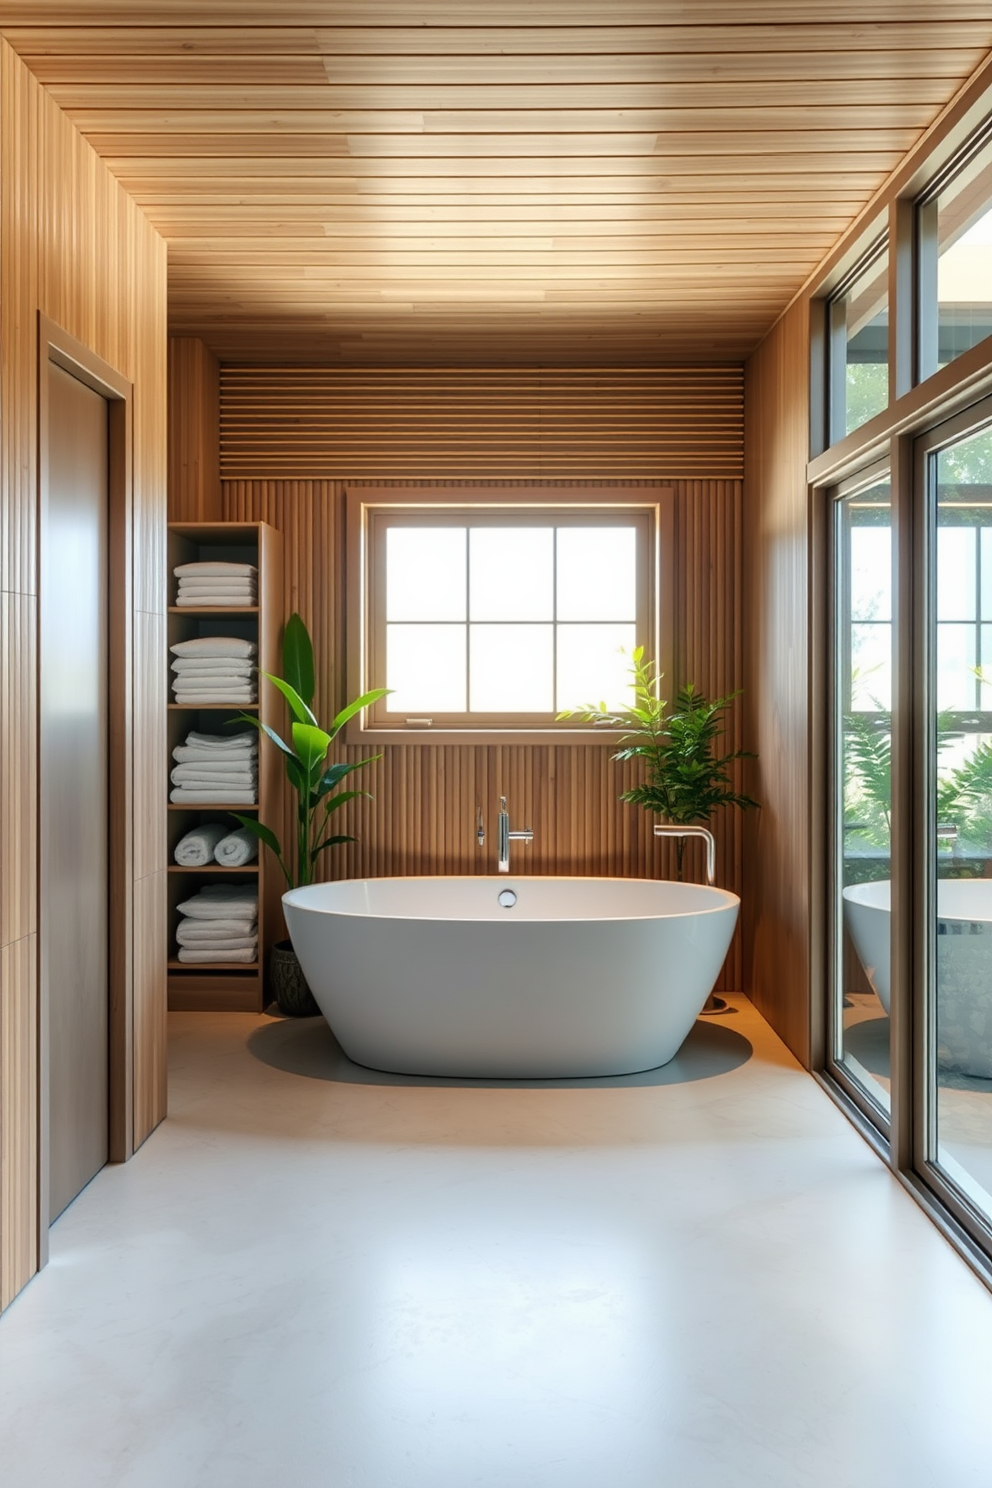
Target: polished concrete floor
{"type": "Point", "coordinates": [316, 1277]}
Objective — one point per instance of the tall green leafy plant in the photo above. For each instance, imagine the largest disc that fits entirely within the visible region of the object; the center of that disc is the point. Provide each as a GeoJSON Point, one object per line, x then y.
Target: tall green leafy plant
{"type": "Point", "coordinates": [684, 777]}
{"type": "Point", "coordinates": [316, 782]}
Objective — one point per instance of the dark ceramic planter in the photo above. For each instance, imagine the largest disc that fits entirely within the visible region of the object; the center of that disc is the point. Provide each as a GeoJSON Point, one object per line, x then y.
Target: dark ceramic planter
{"type": "Point", "coordinates": [293, 996]}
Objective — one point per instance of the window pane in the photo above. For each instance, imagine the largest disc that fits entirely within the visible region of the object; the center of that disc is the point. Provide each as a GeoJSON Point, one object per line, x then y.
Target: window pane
{"type": "Point", "coordinates": [862, 659]}
{"type": "Point", "coordinates": [425, 667]}
{"type": "Point", "coordinates": [956, 573]}
{"type": "Point", "coordinates": [597, 573]}
{"type": "Point", "coordinates": [986, 556]}
{"type": "Point", "coordinates": [425, 573]}
{"type": "Point", "coordinates": [862, 314]}
{"type": "Point", "coordinates": [956, 661]}
{"type": "Point", "coordinates": [511, 573]}
{"type": "Point", "coordinates": [964, 260]}
{"type": "Point", "coordinates": [959, 1056]}
{"type": "Point", "coordinates": [512, 668]}
{"type": "Point", "coordinates": [594, 665]}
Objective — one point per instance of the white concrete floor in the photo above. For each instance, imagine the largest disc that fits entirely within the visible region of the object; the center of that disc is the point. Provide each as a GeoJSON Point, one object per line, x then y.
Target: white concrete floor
{"type": "Point", "coordinates": [327, 1280]}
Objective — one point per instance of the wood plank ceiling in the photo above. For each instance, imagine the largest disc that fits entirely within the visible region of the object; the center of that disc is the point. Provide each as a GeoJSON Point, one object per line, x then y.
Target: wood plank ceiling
{"type": "Point", "coordinates": [540, 182]}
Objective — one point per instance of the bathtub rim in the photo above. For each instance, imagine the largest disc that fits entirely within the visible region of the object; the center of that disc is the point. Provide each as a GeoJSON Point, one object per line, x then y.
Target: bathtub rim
{"type": "Point", "coordinates": [724, 899]}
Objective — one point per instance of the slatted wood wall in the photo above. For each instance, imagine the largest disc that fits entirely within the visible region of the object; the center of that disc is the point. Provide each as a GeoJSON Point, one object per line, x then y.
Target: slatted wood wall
{"type": "Point", "coordinates": [308, 423]}
{"type": "Point", "coordinates": [75, 247]}
{"type": "Point", "coordinates": [423, 817]}
{"type": "Point", "coordinates": [776, 608]}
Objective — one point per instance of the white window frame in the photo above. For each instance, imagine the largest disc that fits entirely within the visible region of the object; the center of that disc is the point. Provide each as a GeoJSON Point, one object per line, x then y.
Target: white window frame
{"type": "Point", "coordinates": [370, 510]}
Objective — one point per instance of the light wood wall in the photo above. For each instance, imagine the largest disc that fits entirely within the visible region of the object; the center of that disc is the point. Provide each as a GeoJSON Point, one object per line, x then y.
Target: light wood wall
{"type": "Point", "coordinates": [76, 248]}
{"type": "Point", "coordinates": [194, 449]}
{"type": "Point", "coordinates": [423, 817]}
{"type": "Point", "coordinates": [776, 677]}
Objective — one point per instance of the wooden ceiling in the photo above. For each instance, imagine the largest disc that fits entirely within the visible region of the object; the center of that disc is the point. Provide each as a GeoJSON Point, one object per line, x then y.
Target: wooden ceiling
{"type": "Point", "coordinates": [539, 182]}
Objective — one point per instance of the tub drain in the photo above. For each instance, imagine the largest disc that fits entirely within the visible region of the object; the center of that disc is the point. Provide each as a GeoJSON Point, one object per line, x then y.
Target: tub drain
{"type": "Point", "coordinates": [507, 898]}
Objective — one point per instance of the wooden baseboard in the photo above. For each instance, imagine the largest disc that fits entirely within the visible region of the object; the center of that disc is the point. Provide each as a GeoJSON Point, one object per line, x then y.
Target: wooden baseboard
{"type": "Point", "coordinates": [216, 994]}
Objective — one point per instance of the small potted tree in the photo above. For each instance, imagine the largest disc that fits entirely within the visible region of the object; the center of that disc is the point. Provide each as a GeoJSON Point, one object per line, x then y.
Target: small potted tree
{"type": "Point", "coordinates": [684, 778]}
{"type": "Point", "coordinates": [319, 794]}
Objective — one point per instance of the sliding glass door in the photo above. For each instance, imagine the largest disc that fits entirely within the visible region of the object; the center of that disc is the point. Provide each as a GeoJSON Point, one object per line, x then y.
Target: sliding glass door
{"type": "Point", "coordinates": [954, 1078]}
{"type": "Point", "coordinates": [861, 795]}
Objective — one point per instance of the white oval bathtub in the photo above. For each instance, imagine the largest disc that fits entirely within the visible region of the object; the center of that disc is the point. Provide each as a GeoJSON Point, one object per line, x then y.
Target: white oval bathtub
{"type": "Point", "coordinates": [964, 963]}
{"type": "Point", "coordinates": [580, 976]}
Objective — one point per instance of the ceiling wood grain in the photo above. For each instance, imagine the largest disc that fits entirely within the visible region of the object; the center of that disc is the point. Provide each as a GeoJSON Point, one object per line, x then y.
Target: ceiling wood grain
{"type": "Point", "coordinates": [405, 184]}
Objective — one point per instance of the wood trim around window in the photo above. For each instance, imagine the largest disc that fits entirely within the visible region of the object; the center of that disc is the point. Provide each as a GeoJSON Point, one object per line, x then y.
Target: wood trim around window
{"type": "Point", "coordinates": [368, 508]}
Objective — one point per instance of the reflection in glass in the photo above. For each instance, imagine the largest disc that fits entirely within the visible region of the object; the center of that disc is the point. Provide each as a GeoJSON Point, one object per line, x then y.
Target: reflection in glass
{"type": "Point", "coordinates": [960, 1001]}
{"type": "Point", "coordinates": [597, 573]}
{"type": "Point", "coordinates": [512, 573]}
{"type": "Point", "coordinates": [860, 340]}
{"type": "Point", "coordinates": [425, 573]}
{"type": "Point", "coordinates": [594, 665]}
{"type": "Point", "coordinates": [962, 225]}
{"type": "Point", "coordinates": [425, 668]}
{"type": "Point", "coordinates": [862, 793]}
{"type": "Point", "coordinates": [512, 668]}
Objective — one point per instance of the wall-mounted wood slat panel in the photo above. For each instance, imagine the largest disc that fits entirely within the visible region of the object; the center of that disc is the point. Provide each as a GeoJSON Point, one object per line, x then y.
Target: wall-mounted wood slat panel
{"type": "Point", "coordinates": [18, 1115]}
{"type": "Point", "coordinates": [194, 396]}
{"type": "Point", "coordinates": [75, 248]}
{"type": "Point", "coordinates": [422, 819]}
{"type": "Point", "coordinates": [151, 950]}
{"type": "Point", "coordinates": [776, 607]}
{"type": "Point", "coordinates": [281, 423]}
{"type": "Point", "coordinates": [150, 751]}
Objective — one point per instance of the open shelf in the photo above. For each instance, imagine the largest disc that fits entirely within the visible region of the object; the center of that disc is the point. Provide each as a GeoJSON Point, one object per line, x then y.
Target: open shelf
{"type": "Point", "coordinates": [213, 609]}
{"type": "Point", "coordinates": [211, 868]}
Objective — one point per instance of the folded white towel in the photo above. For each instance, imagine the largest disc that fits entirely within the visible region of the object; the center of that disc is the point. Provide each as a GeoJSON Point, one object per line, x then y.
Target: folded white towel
{"type": "Point", "coordinates": [217, 768]}
{"type": "Point", "coordinates": [186, 795]}
{"type": "Point", "coordinates": [206, 958]}
{"type": "Point", "coordinates": [216, 586]}
{"type": "Point", "coordinates": [199, 846]}
{"type": "Point", "coordinates": [205, 930]}
{"type": "Point", "coordinates": [242, 759]}
{"type": "Point", "coordinates": [242, 695]}
{"type": "Point", "coordinates": [221, 902]}
{"type": "Point", "coordinates": [196, 665]}
{"type": "Point", "coordinates": [248, 739]}
{"type": "Point", "coordinates": [214, 646]}
{"type": "Point", "coordinates": [237, 848]}
{"type": "Point", "coordinates": [217, 581]}
{"type": "Point", "coordinates": [221, 942]}
{"type": "Point", "coordinates": [214, 569]}
{"type": "Point", "coordinates": [192, 781]}
{"type": "Point", "coordinates": [214, 601]}
{"type": "Point", "coordinates": [206, 685]}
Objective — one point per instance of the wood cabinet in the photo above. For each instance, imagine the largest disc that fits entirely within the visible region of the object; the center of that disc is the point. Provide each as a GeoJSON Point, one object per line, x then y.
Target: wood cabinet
{"type": "Point", "coordinates": [226, 986]}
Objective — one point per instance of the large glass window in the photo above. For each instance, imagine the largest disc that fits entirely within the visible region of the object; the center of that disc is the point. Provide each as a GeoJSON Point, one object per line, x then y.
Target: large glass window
{"type": "Point", "coordinates": [862, 794]}
{"type": "Point", "coordinates": [859, 345]}
{"type": "Point", "coordinates": [959, 992]}
{"type": "Point", "coordinates": [480, 617]}
{"type": "Point", "coordinates": [955, 239]}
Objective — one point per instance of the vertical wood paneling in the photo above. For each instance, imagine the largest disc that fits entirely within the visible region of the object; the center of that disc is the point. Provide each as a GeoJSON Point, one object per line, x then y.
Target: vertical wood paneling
{"type": "Point", "coordinates": [194, 438]}
{"type": "Point", "coordinates": [151, 952]}
{"type": "Point", "coordinates": [422, 819]}
{"type": "Point", "coordinates": [776, 604]}
{"type": "Point", "coordinates": [151, 754]}
{"type": "Point", "coordinates": [75, 248]}
{"type": "Point", "coordinates": [18, 1114]}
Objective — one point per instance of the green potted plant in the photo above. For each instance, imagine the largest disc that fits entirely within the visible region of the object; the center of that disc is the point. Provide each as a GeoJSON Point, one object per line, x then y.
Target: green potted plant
{"type": "Point", "coordinates": [684, 778]}
{"type": "Point", "coordinates": [319, 793]}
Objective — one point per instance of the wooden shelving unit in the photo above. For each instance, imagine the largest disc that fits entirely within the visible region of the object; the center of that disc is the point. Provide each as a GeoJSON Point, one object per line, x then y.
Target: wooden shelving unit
{"type": "Point", "coordinates": [226, 986]}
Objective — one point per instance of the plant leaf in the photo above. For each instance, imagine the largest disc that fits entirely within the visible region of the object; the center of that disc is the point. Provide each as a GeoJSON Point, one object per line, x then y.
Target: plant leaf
{"type": "Point", "coordinates": [297, 661]}
{"type": "Point", "coordinates": [329, 842]}
{"type": "Point", "coordinates": [365, 701]}
{"type": "Point", "coordinates": [297, 706]}
{"type": "Point", "coordinates": [311, 745]}
{"type": "Point", "coordinates": [264, 834]}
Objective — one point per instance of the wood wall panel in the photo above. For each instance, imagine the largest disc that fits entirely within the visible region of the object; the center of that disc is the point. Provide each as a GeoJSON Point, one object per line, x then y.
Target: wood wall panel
{"type": "Point", "coordinates": [150, 744]}
{"type": "Point", "coordinates": [776, 609]}
{"type": "Point", "coordinates": [151, 952]}
{"type": "Point", "coordinates": [323, 423]}
{"type": "Point", "coordinates": [75, 248]}
{"type": "Point", "coordinates": [194, 451]}
{"type": "Point", "coordinates": [422, 819]}
{"type": "Point", "coordinates": [18, 1115]}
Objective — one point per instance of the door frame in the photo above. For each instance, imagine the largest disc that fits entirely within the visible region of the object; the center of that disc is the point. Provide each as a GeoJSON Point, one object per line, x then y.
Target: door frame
{"type": "Point", "coordinates": [56, 345]}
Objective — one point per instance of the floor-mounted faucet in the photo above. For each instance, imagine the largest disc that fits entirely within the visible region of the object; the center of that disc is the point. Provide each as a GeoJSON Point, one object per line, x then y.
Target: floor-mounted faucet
{"type": "Point", "coordinates": [666, 829]}
{"type": "Point", "coordinates": [504, 837]}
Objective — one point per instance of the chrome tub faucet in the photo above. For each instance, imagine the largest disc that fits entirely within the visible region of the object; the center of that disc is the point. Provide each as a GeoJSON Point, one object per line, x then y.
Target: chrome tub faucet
{"type": "Point", "coordinates": [504, 837]}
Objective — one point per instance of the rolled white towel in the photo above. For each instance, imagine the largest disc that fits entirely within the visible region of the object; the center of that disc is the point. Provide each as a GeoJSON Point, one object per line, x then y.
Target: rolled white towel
{"type": "Point", "coordinates": [199, 846]}
{"type": "Point", "coordinates": [215, 569]}
{"type": "Point", "coordinates": [237, 848]}
{"type": "Point", "coordinates": [221, 902]}
{"type": "Point", "coordinates": [184, 795]}
{"type": "Point", "coordinates": [215, 646]}
{"type": "Point", "coordinates": [205, 958]}
{"type": "Point", "coordinates": [246, 740]}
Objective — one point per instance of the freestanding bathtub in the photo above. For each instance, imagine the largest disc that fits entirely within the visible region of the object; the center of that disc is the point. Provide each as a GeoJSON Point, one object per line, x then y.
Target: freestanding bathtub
{"type": "Point", "coordinates": [964, 963]}
{"type": "Point", "coordinates": [511, 977]}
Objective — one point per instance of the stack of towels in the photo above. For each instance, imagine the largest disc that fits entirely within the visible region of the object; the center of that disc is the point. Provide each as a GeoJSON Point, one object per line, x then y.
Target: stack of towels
{"type": "Point", "coordinates": [225, 585]}
{"type": "Point", "coordinates": [212, 842]}
{"type": "Point", "coordinates": [214, 669]}
{"type": "Point", "coordinates": [220, 923]}
{"type": "Point", "coordinates": [215, 769]}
